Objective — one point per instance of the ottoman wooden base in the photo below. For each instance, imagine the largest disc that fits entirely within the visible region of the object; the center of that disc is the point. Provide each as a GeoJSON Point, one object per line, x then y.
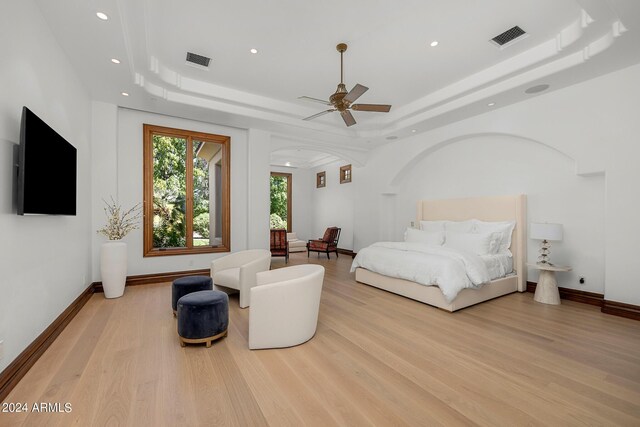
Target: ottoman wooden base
{"type": "Point", "coordinates": [207, 340]}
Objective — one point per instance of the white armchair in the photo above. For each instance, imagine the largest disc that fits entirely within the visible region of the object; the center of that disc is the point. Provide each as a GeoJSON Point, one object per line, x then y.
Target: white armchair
{"type": "Point", "coordinates": [284, 306]}
{"type": "Point", "coordinates": [295, 244]}
{"type": "Point", "coordinates": [238, 271]}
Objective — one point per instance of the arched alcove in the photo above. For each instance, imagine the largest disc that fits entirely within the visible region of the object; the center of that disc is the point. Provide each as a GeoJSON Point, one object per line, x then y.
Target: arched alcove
{"type": "Point", "coordinates": [488, 164]}
{"type": "Point", "coordinates": [404, 169]}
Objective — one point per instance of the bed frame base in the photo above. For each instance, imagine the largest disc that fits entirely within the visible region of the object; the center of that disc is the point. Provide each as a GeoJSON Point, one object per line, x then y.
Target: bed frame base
{"type": "Point", "coordinates": [433, 296]}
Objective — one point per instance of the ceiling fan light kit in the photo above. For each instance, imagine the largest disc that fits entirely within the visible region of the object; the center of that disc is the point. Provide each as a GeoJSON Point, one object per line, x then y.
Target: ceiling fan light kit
{"type": "Point", "coordinates": [342, 100]}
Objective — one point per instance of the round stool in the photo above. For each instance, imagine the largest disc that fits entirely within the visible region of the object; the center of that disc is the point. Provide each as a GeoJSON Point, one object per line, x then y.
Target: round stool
{"type": "Point", "coordinates": [203, 317]}
{"type": "Point", "coordinates": [186, 285]}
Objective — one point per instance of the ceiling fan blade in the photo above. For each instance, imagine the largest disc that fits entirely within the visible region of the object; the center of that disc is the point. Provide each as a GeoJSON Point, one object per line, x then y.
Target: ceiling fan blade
{"type": "Point", "coordinates": [308, 98]}
{"type": "Point", "coordinates": [348, 118]}
{"type": "Point", "coordinates": [320, 114]}
{"type": "Point", "coordinates": [355, 93]}
{"type": "Point", "coordinates": [381, 108]}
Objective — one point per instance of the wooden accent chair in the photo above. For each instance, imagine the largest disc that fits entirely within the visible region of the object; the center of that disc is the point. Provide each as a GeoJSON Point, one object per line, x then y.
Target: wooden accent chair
{"type": "Point", "coordinates": [327, 243]}
{"type": "Point", "coordinates": [279, 244]}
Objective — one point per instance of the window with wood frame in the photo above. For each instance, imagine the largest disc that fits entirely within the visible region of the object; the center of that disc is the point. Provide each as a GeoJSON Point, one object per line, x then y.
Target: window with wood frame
{"type": "Point", "coordinates": [280, 212]}
{"type": "Point", "coordinates": [345, 174]}
{"type": "Point", "coordinates": [187, 200]}
{"type": "Point", "coordinates": [321, 179]}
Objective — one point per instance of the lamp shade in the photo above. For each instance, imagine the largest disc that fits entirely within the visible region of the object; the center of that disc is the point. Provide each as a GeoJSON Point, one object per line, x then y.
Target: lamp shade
{"type": "Point", "coordinates": [540, 231]}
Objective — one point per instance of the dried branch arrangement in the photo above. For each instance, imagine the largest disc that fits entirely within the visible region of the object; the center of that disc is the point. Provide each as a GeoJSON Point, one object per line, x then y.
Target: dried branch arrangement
{"type": "Point", "coordinates": [119, 222]}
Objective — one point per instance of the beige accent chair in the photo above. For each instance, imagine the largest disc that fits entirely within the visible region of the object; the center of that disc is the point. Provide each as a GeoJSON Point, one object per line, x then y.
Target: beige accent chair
{"type": "Point", "coordinates": [295, 244]}
{"type": "Point", "coordinates": [237, 271]}
{"type": "Point", "coordinates": [284, 306]}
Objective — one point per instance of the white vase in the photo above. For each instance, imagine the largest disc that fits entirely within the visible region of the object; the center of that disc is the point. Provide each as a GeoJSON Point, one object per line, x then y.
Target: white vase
{"type": "Point", "coordinates": [113, 268]}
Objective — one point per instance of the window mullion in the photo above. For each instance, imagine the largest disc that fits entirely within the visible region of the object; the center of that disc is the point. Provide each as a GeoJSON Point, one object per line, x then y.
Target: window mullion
{"type": "Point", "coordinates": [189, 192]}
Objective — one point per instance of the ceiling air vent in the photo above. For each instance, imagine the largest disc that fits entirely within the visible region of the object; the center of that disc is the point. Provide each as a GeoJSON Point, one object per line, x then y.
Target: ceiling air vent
{"type": "Point", "coordinates": [509, 37]}
{"type": "Point", "coordinates": [198, 60]}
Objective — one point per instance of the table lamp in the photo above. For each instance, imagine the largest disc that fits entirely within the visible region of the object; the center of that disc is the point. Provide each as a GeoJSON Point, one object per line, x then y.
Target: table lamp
{"type": "Point", "coordinates": [545, 232]}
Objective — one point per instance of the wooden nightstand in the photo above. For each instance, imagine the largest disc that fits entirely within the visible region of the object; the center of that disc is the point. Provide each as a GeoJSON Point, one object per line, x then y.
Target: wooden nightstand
{"type": "Point", "coordinates": [547, 288]}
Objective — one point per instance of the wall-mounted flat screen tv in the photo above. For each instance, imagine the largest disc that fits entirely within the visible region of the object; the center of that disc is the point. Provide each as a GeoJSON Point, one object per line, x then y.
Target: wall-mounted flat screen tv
{"type": "Point", "coordinates": [46, 169]}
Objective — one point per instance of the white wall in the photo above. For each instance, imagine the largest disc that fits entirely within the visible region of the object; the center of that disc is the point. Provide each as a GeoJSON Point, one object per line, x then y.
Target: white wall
{"type": "Point", "coordinates": [258, 195]}
{"type": "Point", "coordinates": [334, 203]}
{"type": "Point", "coordinates": [128, 147]}
{"type": "Point", "coordinates": [594, 123]}
{"type": "Point", "coordinates": [104, 173]}
{"type": "Point", "coordinates": [44, 260]}
{"type": "Point", "coordinates": [302, 190]}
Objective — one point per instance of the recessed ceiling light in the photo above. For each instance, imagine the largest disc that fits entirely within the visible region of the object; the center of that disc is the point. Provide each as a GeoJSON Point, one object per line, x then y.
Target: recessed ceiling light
{"type": "Point", "coordinates": [125, 94]}
{"type": "Point", "coordinates": [434, 43]}
{"type": "Point", "coordinates": [537, 89]}
{"type": "Point", "coordinates": [288, 164]}
{"type": "Point", "coordinates": [115, 61]}
{"type": "Point", "coordinates": [491, 104]}
{"type": "Point", "coordinates": [253, 50]}
{"type": "Point", "coordinates": [102, 16]}
{"type": "Point", "coordinates": [414, 130]}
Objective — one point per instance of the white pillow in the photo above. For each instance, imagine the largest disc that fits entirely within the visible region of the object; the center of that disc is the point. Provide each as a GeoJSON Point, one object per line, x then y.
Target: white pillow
{"type": "Point", "coordinates": [432, 225]}
{"type": "Point", "coordinates": [432, 238]}
{"type": "Point", "coordinates": [477, 243]}
{"type": "Point", "coordinates": [460, 226]}
{"type": "Point", "coordinates": [445, 225]}
{"type": "Point", "coordinates": [504, 228]}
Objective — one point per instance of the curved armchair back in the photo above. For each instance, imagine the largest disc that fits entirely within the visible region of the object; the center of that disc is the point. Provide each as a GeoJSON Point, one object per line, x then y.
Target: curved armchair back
{"type": "Point", "coordinates": [238, 271]}
{"type": "Point", "coordinates": [284, 306]}
{"type": "Point", "coordinates": [237, 259]}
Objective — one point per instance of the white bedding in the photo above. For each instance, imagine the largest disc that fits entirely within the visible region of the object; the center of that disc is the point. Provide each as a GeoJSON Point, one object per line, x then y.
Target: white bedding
{"type": "Point", "coordinates": [450, 269]}
{"type": "Point", "coordinates": [499, 265]}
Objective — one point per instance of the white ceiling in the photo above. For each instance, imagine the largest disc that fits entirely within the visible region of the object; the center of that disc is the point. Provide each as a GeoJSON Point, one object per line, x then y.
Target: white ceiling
{"type": "Point", "coordinates": [301, 159]}
{"type": "Point", "coordinates": [569, 41]}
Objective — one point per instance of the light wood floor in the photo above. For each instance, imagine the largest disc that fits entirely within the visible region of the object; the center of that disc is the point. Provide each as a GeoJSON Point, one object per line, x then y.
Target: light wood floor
{"type": "Point", "coordinates": [377, 359]}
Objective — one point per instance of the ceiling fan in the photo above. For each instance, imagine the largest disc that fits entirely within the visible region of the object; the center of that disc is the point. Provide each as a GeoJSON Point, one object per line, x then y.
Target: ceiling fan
{"type": "Point", "coordinates": [342, 100]}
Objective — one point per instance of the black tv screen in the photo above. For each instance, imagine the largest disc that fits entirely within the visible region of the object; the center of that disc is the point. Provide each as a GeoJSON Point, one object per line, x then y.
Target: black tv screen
{"type": "Point", "coordinates": [46, 169]}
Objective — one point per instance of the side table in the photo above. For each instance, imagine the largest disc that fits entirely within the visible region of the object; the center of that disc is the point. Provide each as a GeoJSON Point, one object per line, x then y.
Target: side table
{"type": "Point", "coordinates": [547, 288]}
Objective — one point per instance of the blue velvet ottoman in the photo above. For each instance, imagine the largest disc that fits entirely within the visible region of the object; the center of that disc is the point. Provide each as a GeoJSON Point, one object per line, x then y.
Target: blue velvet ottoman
{"type": "Point", "coordinates": [186, 285]}
{"type": "Point", "coordinates": [203, 317]}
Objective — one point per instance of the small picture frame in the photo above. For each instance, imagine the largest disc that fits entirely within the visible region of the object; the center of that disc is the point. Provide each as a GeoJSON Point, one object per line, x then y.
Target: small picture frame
{"type": "Point", "coordinates": [321, 179]}
{"type": "Point", "coordinates": [345, 174]}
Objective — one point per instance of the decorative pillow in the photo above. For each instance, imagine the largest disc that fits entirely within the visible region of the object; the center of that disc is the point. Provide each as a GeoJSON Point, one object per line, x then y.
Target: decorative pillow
{"type": "Point", "coordinates": [504, 228]}
{"type": "Point", "coordinates": [477, 243]}
{"type": "Point", "coordinates": [432, 238]}
{"type": "Point", "coordinates": [432, 225]}
{"type": "Point", "coordinates": [460, 226]}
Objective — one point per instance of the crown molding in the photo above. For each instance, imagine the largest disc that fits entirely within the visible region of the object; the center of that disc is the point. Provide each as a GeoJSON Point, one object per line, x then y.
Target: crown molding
{"type": "Point", "coordinates": [161, 81]}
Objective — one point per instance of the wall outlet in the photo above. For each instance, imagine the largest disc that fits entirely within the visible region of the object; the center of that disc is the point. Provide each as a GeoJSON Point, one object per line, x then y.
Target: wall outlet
{"type": "Point", "coordinates": [1, 349]}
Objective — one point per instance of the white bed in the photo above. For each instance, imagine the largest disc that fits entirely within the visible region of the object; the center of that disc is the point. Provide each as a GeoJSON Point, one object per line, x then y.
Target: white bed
{"type": "Point", "coordinates": [503, 208]}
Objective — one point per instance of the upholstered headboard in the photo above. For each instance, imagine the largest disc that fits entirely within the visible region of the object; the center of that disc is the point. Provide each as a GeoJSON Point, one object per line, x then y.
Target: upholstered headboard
{"type": "Point", "coordinates": [493, 208]}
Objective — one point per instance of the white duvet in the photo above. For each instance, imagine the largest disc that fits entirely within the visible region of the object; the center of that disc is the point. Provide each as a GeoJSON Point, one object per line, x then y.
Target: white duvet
{"type": "Point", "coordinates": [450, 269]}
